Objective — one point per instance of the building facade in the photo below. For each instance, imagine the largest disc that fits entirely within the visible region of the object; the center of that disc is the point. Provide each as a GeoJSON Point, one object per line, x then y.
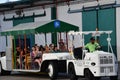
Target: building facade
{"type": "Point", "coordinates": [80, 14]}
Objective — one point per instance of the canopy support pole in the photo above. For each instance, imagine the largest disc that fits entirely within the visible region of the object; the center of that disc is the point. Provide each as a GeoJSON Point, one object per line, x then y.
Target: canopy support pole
{"type": "Point", "coordinates": [6, 41]}
{"type": "Point", "coordinates": [14, 46]}
{"type": "Point", "coordinates": [19, 41]}
{"type": "Point", "coordinates": [25, 44]}
{"type": "Point", "coordinates": [67, 40]}
{"type": "Point", "coordinates": [60, 36]}
{"type": "Point", "coordinates": [45, 39]}
{"type": "Point", "coordinates": [25, 47]}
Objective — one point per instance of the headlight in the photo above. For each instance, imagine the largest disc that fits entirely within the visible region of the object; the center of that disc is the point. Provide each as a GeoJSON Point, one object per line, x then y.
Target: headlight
{"type": "Point", "coordinates": [93, 63]}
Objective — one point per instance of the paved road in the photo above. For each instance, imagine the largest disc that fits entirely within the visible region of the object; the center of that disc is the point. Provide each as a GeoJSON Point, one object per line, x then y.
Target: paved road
{"type": "Point", "coordinates": [32, 76]}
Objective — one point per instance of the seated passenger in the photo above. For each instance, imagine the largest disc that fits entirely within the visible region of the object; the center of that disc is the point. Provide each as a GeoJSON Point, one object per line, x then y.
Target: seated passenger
{"type": "Point", "coordinates": [18, 50]}
{"type": "Point", "coordinates": [42, 49]}
{"type": "Point", "coordinates": [20, 57]}
{"type": "Point", "coordinates": [62, 46]}
{"type": "Point", "coordinates": [47, 49]}
{"type": "Point", "coordinates": [92, 45]}
{"type": "Point", "coordinates": [33, 53]}
{"type": "Point", "coordinates": [56, 50]}
{"type": "Point", "coordinates": [27, 50]}
{"type": "Point", "coordinates": [51, 47]}
{"type": "Point", "coordinates": [36, 55]}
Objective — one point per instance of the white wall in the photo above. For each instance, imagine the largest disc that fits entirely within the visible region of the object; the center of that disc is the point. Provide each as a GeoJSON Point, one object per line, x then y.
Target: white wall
{"type": "Point", "coordinates": [74, 18]}
{"type": "Point", "coordinates": [40, 38]}
{"type": "Point", "coordinates": [45, 18]}
{"type": "Point", "coordinates": [4, 25]}
{"type": "Point", "coordinates": [9, 24]}
{"type": "Point", "coordinates": [118, 1]}
{"type": "Point", "coordinates": [118, 32]}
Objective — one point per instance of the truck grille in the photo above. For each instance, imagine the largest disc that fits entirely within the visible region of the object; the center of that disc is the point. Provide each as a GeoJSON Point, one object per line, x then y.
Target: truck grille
{"type": "Point", "coordinates": [106, 60]}
{"type": "Point", "coordinates": [106, 69]}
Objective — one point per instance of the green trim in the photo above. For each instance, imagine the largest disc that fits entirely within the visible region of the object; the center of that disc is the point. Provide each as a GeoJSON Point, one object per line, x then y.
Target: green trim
{"type": "Point", "coordinates": [6, 41]}
{"type": "Point", "coordinates": [106, 21]}
{"type": "Point", "coordinates": [54, 38]}
{"type": "Point", "coordinates": [25, 17]}
{"type": "Point", "coordinates": [45, 28]}
{"type": "Point", "coordinates": [17, 21]}
{"type": "Point", "coordinates": [54, 16]}
{"type": "Point", "coordinates": [22, 20]}
{"type": "Point", "coordinates": [49, 27]}
{"type": "Point", "coordinates": [89, 23]}
{"type": "Point", "coordinates": [14, 53]}
{"type": "Point", "coordinates": [53, 13]}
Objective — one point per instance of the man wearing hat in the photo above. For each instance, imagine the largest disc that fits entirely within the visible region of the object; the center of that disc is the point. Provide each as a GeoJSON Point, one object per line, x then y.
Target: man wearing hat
{"type": "Point", "coordinates": [92, 45]}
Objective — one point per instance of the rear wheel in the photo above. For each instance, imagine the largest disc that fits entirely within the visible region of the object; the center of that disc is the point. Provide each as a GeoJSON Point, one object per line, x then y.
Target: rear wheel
{"type": "Point", "coordinates": [71, 72]}
{"type": "Point", "coordinates": [0, 69]}
{"type": "Point", "coordinates": [52, 70]}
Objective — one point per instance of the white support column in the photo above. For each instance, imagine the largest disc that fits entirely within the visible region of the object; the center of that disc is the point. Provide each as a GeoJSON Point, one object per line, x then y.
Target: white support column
{"type": "Point", "coordinates": [118, 32]}
{"type": "Point", "coordinates": [118, 1]}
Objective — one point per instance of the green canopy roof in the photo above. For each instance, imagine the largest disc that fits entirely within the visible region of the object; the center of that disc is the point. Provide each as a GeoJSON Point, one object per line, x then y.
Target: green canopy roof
{"type": "Point", "coordinates": [40, 27]}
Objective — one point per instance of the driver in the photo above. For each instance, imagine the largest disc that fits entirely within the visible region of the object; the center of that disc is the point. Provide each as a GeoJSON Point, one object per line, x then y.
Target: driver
{"type": "Point", "coordinates": [92, 45]}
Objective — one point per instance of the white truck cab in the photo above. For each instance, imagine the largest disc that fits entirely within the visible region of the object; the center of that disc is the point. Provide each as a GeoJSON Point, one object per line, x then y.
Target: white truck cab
{"type": "Point", "coordinates": [93, 65]}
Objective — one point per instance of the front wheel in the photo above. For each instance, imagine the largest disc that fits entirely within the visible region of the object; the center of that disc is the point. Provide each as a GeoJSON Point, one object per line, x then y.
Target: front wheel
{"type": "Point", "coordinates": [114, 78]}
{"type": "Point", "coordinates": [52, 70]}
{"type": "Point", "coordinates": [71, 72]}
{"type": "Point", "coordinates": [89, 76]}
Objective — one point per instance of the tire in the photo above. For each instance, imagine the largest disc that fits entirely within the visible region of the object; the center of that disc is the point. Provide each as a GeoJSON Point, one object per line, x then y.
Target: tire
{"type": "Point", "coordinates": [52, 70]}
{"type": "Point", "coordinates": [89, 76]}
{"type": "Point", "coordinates": [114, 78]}
{"type": "Point", "coordinates": [71, 72]}
{"type": "Point", "coordinates": [3, 72]}
{"type": "Point", "coordinates": [97, 78]}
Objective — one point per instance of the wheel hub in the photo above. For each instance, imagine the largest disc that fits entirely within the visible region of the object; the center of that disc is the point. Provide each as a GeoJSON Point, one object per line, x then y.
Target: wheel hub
{"type": "Point", "coordinates": [50, 69]}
